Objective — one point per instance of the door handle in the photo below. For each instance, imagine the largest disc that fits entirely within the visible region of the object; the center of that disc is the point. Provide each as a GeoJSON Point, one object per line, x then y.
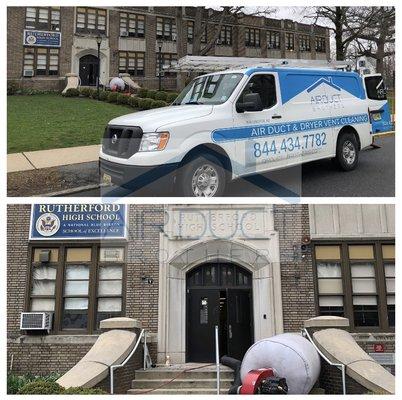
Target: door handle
{"type": "Point", "coordinates": [276, 116]}
{"type": "Point", "coordinates": [230, 331]}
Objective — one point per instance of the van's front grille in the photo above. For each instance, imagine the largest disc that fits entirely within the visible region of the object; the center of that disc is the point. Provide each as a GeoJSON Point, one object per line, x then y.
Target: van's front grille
{"type": "Point", "coordinates": [121, 141]}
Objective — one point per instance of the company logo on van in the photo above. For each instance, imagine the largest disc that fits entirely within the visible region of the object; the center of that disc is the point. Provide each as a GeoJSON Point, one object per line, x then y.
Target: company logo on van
{"type": "Point", "coordinates": [48, 224]}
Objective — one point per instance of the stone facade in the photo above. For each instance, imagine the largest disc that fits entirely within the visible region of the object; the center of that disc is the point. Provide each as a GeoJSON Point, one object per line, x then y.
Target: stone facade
{"type": "Point", "coordinates": [75, 45]}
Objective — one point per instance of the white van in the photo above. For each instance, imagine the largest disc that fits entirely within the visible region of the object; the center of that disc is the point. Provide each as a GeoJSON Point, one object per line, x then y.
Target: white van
{"type": "Point", "coordinates": [239, 122]}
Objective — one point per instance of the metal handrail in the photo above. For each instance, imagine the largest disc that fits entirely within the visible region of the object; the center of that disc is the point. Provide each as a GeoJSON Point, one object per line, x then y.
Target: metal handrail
{"type": "Point", "coordinates": [218, 371]}
{"type": "Point", "coordinates": [113, 367]}
{"type": "Point", "coordinates": [339, 365]}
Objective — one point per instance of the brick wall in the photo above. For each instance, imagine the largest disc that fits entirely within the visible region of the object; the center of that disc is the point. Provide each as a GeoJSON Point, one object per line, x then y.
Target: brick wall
{"type": "Point", "coordinates": [292, 223]}
{"type": "Point", "coordinates": [42, 357]}
{"type": "Point", "coordinates": [16, 24]}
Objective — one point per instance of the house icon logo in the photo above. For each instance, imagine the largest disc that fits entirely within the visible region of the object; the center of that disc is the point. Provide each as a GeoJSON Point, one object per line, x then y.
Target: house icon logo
{"type": "Point", "coordinates": [324, 81]}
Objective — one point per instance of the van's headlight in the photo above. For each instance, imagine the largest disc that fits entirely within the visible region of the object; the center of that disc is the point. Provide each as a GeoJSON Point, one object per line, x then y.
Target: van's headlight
{"type": "Point", "coordinates": [154, 141]}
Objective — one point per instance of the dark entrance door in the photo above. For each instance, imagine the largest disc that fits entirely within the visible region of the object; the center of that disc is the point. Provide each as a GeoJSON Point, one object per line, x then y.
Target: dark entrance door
{"type": "Point", "coordinates": [218, 294]}
{"type": "Point", "coordinates": [88, 70]}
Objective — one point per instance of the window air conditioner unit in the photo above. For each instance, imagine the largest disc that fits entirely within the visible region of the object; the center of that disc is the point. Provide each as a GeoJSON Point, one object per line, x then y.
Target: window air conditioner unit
{"type": "Point", "coordinates": [124, 34]}
{"type": "Point", "coordinates": [28, 72]}
{"type": "Point", "coordinates": [36, 321]}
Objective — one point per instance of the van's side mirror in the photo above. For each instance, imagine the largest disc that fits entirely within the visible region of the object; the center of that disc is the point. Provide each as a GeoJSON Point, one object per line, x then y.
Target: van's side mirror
{"type": "Point", "coordinates": [251, 102]}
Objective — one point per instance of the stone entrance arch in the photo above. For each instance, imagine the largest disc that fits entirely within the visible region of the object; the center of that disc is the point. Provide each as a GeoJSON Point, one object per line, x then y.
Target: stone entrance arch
{"type": "Point", "coordinates": [182, 257]}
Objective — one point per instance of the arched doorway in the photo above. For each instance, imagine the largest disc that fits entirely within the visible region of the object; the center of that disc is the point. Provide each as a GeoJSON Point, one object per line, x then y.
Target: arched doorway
{"type": "Point", "coordinates": [218, 293]}
{"type": "Point", "coordinates": [88, 70]}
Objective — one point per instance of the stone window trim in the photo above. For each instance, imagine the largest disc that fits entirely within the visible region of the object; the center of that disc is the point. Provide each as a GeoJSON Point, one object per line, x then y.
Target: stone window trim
{"type": "Point", "coordinates": [42, 18]}
{"type": "Point", "coordinates": [345, 262]}
{"type": "Point", "coordinates": [304, 43]}
{"type": "Point", "coordinates": [252, 37]}
{"type": "Point", "coordinates": [166, 59]}
{"type": "Point", "coordinates": [191, 33]}
{"type": "Point", "coordinates": [166, 29]}
{"type": "Point", "coordinates": [290, 41]}
{"type": "Point", "coordinates": [99, 15]}
{"type": "Point", "coordinates": [61, 264]}
{"type": "Point", "coordinates": [31, 61]}
{"type": "Point", "coordinates": [273, 40]}
{"type": "Point", "coordinates": [133, 24]}
{"type": "Point", "coordinates": [225, 36]}
{"type": "Point", "coordinates": [320, 44]}
{"type": "Point", "coordinates": [132, 63]}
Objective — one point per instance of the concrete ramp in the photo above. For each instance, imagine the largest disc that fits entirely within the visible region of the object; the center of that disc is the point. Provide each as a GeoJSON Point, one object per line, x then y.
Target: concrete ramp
{"type": "Point", "coordinates": [111, 348]}
{"type": "Point", "coordinates": [340, 347]}
{"type": "Point", "coordinates": [73, 82]}
{"type": "Point", "coordinates": [128, 81]}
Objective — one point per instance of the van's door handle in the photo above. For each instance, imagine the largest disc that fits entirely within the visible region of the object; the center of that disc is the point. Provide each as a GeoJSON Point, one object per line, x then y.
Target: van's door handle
{"type": "Point", "coordinates": [276, 116]}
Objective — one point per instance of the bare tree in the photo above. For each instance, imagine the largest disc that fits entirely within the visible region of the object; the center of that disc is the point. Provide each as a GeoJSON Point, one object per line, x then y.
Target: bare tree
{"type": "Point", "coordinates": [377, 40]}
{"type": "Point", "coordinates": [345, 23]}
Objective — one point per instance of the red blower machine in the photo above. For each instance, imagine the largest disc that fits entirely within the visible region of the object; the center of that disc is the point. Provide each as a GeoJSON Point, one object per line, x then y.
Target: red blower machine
{"type": "Point", "coordinates": [263, 381]}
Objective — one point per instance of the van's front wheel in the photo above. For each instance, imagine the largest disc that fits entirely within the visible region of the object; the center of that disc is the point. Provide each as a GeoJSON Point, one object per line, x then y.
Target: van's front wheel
{"type": "Point", "coordinates": [347, 152]}
{"type": "Point", "coordinates": [203, 176]}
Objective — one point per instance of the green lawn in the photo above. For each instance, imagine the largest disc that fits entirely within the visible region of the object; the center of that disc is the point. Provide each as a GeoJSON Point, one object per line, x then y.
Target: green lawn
{"type": "Point", "coordinates": [42, 122]}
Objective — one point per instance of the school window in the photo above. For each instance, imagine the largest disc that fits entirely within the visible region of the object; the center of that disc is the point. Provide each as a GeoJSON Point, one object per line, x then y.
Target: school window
{"type": "Point", "coordinates": [91, 20]}
{"type": "Point", "coordinates": [304, 43]}
{"type": "Point", "coordinates": [166, 60]}
{"type": "Point", "coordinates": [356, 281]}
{"type": "Point", "coordinates": [320, 44]}
{"type": "Point", "coordinates": [41, 61]}
{"type": "Point", "coordinates": [225, 36]}
{"type": "Point", "coordinates": [132, 63]}
{"type": "Point", "coordinates": [166, 28]}
{"type": "Point", "coordinates": [290, 41]}
{"type": "Point", "coordinates": [46, 18]}
{"type": "Point", "coordinates": [204, 34]}
{"type": "Point", "coordinates": [190, 31]}
{"type": "Point", "coordinates": [252, 37]}
{"type": "Point", "coordinates": [273, 40]}
{"type": "Point", "coordinates": [81, 286]}
{"type": "Point", "coordinates": [132, 25]}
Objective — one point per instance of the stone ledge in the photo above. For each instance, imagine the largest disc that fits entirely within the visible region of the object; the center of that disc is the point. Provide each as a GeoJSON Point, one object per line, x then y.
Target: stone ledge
{"type": "Point", "coordinates": [120, 323]}
{"type": "Point", "coordinates": [54, 339]}
{"type": "Point", "coordinates": [327, 321]}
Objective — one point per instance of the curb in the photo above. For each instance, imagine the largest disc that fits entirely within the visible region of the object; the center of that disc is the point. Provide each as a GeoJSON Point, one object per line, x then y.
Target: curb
{"type": "Point", "coordinates": [72, 190]}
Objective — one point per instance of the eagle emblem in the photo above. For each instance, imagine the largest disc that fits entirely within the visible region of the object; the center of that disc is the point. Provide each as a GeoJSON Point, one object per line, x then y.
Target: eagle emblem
{"type": "Point", "coordinates": [48, 224]}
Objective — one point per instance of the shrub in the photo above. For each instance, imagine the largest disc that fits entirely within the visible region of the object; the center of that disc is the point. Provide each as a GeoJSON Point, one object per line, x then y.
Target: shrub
{"type": "Point", "coordinates": [16, 382]}
{"type": "Point", "coordinates": [171, 97]}
{"type": "Point", "coordinates": [103, 95]}
{"type": "Point", "coordinates": [112, 97]}
{"type": "Point", "coordinates": [80, 390]}
{"type": "Point", "coordinates": [85, 91]}
{"type": "Point", "coordinates": [133, 101]}
{"type": "Point", "coordinates": [93, 93]}
{"type": "Point", "coordinates": [142, 92]}
{"type": "Point", "coordinates": [41, 387]}
{"type": "Point", "coordinates": [12, 88]}
{"type": "Point", "coordinates": [158, 104]}
{"type": "Point", "coordinates": [122, 99]}
{"type": "Point", "coordinates": [72, 93]}
{"type": "Point", "coordinates": [151, 94]}
{"type": "Point", "coordinates": [145, 104]}
{"type": "Point", "coordinates": [161, 96]}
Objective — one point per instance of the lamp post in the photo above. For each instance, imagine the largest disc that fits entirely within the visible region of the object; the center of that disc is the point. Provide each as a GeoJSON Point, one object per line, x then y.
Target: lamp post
{"type": "Point", "coordinates": [98, 42]}
{"type": "Point", "coordinates": [160, 44]}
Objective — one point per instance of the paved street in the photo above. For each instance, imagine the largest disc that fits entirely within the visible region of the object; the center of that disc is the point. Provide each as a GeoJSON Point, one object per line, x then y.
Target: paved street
{"type": "Point", "coordinates": [374, 177]}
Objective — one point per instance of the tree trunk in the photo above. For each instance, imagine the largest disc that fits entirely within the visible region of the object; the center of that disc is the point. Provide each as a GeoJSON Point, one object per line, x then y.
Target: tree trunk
{"type": "Point", "coordinates": [340, 51]}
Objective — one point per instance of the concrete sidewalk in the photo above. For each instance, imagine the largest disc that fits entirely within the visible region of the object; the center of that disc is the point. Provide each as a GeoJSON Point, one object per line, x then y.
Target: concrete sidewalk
{"type": "Point", "coordinates": [31, 160]}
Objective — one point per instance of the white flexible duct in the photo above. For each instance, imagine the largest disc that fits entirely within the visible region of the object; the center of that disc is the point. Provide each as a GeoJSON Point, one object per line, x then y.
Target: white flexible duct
{"type": "Point", "coordinates": [292, 357]}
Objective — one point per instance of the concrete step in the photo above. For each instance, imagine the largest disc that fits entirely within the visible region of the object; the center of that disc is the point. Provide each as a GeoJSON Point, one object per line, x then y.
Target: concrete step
{"type": "Point", "coordinates": [166, 374]}
{"type": "Point", "coordinates": [177, 391]}
{"type": "Point", "coordinates": [180, 383]}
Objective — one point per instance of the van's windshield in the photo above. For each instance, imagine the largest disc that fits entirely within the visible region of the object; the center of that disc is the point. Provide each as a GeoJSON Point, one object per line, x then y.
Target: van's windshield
{"type": "Point", "coordinates": [210, 89]}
